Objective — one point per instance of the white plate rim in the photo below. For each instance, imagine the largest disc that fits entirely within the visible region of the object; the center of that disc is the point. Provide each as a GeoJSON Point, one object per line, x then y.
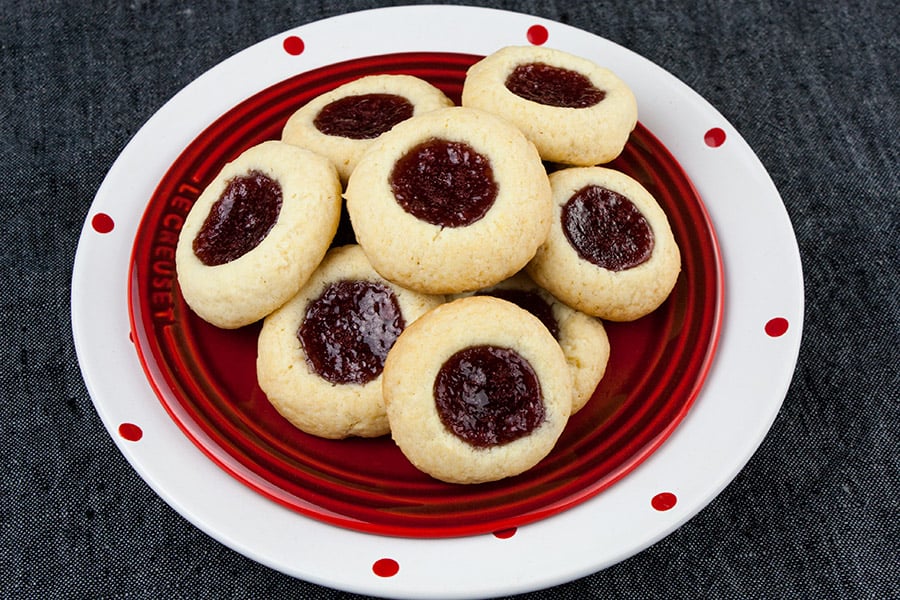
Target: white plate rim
{"type": "Point", "coordinates": [743, 392]}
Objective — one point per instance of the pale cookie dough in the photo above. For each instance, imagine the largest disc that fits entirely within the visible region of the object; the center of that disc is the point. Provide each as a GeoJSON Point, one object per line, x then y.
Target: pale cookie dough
{"type": "Point", "coordinates": [343, 151]}
{"type": "Point", "coordinates": [286, 374]}
{"type": "Point", "coordinates": [434, 258]}
{"type": "Point", "coordinates": [416, 360]}
{"type": "Point", "coordinates": [582, 337]}
{"type": "Point", "coordinates": [248, 288]}
{"type": "Point", "coordinates": [582, 136]}
{"type": "Point", "coordinates": [615, 295]}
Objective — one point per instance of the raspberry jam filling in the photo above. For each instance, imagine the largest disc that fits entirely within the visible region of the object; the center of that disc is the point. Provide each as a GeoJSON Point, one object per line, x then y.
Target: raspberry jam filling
{"type": "Point", "coordinates": [363, 117]}
{"type": "Point", "coordinates": [553, 86]}
{"type": "Point", "coordinates": [530, 301]}
{"type": "Point", "coordinates": [607, 229]}
{"type": "Point", "coordinates": [239, 220]}
{"type": "Point", "coordinates": [488, 396]}
{"type": "Point", "coordinates": [444, 183]}
{"type": "Point", "coordinates": [348, 330]}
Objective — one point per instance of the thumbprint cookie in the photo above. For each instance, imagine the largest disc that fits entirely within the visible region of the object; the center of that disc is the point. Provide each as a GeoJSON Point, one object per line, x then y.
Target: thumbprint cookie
{"type": "Point", "coordinates": [610, 252]}
{"type": "Point", "coordinates": [450, 201]}
{"type": "Point", "coordinates": [320, 356]}
{"type": "Point", "coordinates": [476, 390]}
{"type": "Point", "coordinates": [575, 111]}
{"type": "Point", "coordinates": [256, 233]}
{"type": "Point", "coordinates": [342, 123]}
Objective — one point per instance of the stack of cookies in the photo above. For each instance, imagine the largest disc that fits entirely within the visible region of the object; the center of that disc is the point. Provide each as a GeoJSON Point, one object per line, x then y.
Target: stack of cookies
{"type": "Point", "coordinates": [466, 321]}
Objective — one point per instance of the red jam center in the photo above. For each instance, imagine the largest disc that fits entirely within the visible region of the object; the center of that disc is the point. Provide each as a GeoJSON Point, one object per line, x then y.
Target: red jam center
{"type": "Point", "coordinates": [530, 301]}
{"type": "Point", "coordinates": [488, 396]}
{"type": "Point", "coordinates": [363, 117]}
{"type": "Point", "coordinates": [348, 330]}
{"type": "Point", "coordinates": [607, 229]}
{"type": "Point", "coordinates": [239, 220]}
{"type": "Point", "coordinates": [553, 86]}
{"type": "Point", "coordinates": [444, 183]}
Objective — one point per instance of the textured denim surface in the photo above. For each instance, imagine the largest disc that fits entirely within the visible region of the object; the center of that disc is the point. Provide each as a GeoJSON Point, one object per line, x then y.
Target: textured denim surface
{"type": "Point", "coordinates": [812, 86]}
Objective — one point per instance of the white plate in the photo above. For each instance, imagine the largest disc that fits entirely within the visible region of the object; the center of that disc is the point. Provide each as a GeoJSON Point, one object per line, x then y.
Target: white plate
{"type": "Point", "coordinates": [742, 394]}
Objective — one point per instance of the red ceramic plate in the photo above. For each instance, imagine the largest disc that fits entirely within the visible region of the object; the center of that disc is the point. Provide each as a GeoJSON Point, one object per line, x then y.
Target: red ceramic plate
{"type": "Point", "coordinates": [205, 377]}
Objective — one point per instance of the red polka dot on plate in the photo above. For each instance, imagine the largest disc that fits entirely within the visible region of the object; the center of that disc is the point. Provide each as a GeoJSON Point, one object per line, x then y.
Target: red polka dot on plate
{"type": "Point", "coordinates": [505, 534]}
{"type": "Point", "coordinates": [537, 34]}
{"type": "Point", "coordinates": [293, 45]}
{"type": "Point", "coordinates": [102, 223]}
{"type": "Point", "coordinates": [131, 432]}
{"type": "Point", "coordinates": [663, 501]}
{"type": "Point", "coordinates": [715, 137]}
{"type": "Point", "coordinates": [386, 567]}
{"type": "Point", "coordinates": [777, 327]}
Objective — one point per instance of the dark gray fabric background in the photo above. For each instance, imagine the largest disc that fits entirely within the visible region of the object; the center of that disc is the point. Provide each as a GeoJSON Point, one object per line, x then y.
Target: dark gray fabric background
{"type": "Point", "coordinates": [812, 86]}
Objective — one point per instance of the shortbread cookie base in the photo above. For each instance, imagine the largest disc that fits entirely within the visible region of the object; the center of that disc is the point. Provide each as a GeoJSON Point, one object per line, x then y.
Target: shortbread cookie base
{"type": "Point", "coordinates": [250, 287]}
{"type": "Point", "coordinates": [612, 295]}
{"type": "Point", "coordinates": [311, 403]}
{"type": "Point", "coordinates": [446, 260]}
{"type": "Point", "coordinates": [572, 136]}
{"type": "Point", "coordinates": [417, 357]}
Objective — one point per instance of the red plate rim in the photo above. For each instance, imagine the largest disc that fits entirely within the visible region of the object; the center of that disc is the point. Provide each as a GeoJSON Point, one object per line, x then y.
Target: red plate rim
{"type": "Point", "coordinates": [566, 478]}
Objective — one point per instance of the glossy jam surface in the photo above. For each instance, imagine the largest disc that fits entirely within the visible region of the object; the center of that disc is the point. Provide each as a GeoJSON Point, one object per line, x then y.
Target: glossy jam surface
{"type": "Point", "coordinates": [607, 229]}
{"type": "Point", "coordinates": [444, 183]}
{"type": "Point", "coordinates": [239, 220]}
{"type": "Point", "coordinates": [530, 301]}
{"type": "Point", "coordinates": [553, 86]}
{"type": "Point", "coordinates": [488, 396]}
{"type": "Point", "coordinates": [348, 330]}
{"type": "Point", "coordinates": [363, 117]}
